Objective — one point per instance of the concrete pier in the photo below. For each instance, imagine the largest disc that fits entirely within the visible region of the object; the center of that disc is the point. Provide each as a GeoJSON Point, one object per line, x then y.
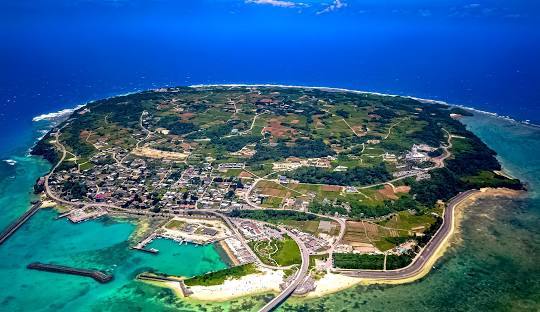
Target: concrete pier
{"type": "Point", "coordinates": [97, 275]}
{"type": "Point", "coordinates": [12, 228]}
{"type": "Point", "coordinates": [142, 244]}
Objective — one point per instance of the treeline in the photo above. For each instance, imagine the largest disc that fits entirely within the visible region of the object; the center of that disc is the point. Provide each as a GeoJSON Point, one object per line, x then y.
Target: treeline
{"type": "Point", "coordinates": [326, 208]}
{"type": "Point", "coordinates": [176, 126]}
{"type": "Point", "coordinates": [215, 131]}
{"type": "Point", "coordinates": [272, 216]}
{"type": "Point", "coordinates": [358, 261]}
{"type": "Point", "coordinates": [457, 174]}
{"type": "Point", "coordinates": [124, 110]}
{"type": "Point", "coordinates": [358, 210]}
{"type": "Point", "coordinates": [443, 184]}
{"type": "Point", "coordinates": [235, 143]}
{"type": "Point", "coordinates": [429, 232]}
{"type": "Point", "coordinates": [71, 138]}
{"type": "Point", "coordinates": [475, 158]}
{"type": "Point", "coordinates": [219, 277]}
{"type": "Point", "coordinates": [460, 111]}
{"type": "Point", "coordinates": [302, 148]}
{"type": "Point", "coordinates": [354, 176]}
{"type": "Point", "coordinates": [371, 262]}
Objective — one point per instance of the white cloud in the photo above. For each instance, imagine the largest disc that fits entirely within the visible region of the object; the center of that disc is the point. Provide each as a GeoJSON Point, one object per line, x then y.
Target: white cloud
{"type": "Point", "coordinates": [338, 4]}
{"type": "Point", "coordinates": [276, 3]}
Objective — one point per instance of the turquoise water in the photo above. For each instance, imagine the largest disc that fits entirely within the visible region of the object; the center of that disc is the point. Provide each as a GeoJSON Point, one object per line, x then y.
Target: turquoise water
{"type": "Point", "coordinates": [492, 266]}
{"type": "Point", "coordinates": [100, 244]}
{"type": "Point", "coordinates": [97, 244]}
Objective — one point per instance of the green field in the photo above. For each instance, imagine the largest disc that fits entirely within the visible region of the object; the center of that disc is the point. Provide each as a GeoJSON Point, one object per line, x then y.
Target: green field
{"type": "Point", "coordinates": [282, 252]}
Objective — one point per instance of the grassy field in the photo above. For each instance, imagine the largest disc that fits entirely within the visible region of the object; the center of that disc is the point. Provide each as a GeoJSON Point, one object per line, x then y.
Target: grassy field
{"type": "Point", "coordinates": [283, 252]}
{"type": "Point", "coordinates": [175, 224]}
{"type": "Point", "coordinates": [272, 202]}
{"type": "Point", "coordinates": [218, 277]}
{"type": "Point", "coordinates": [407, 221]}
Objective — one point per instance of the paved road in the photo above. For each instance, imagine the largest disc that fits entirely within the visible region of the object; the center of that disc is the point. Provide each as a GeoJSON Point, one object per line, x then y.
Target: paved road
{"type": "Point", "coordinates": [299, 278]}
{"type": "Point", "coordinates": [427, 252]}
{"type": "Point", "coordinates": [46, 184]}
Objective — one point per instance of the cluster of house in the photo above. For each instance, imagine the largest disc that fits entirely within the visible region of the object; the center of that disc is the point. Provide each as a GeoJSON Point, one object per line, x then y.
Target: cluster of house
{"type": "Point", "coordinates": [419, 153]}
{"type": "Point", "coordinates": [138, 183]}
{"type": "Point", "coordinates": [293, 163]}
{"type": "Point", "coordinates": [209, 189]}
{"type": "Point", "coordinates": [313, 244]}
{"type": "Point", "coordinates": [254, 230]}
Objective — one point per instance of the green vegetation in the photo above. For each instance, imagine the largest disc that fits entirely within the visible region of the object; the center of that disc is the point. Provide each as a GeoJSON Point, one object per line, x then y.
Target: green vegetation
{"type": "Point", "coordinates": [490, 179]}
{"type": "Point", "coordinates": [175, 224]}
{"type": "Point", "coordinates": [301, 148]}
{"type": "Point", "coordinates": [371, 262]}
{"type": "Point", "coordinates": [396, 262]}
{"type": "Point", "coordinates": [283, 252]}
{"type": "Point", "coordinates": [354, 176]}
{"type": "Point", "coordinates": [272, 216]}
{"type": "Point", "coordinates": [219, 277]}
{"type": "Point", "coordinates": [235, 143]}
{"type": "Point", "coordinates": [359, 261]}
{"type": "Point", "coordinates": [175, 125]}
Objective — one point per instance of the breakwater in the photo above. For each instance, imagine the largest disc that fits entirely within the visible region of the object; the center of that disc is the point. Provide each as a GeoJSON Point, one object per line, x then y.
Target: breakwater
{"type": "Point", "coordinates": [97, 275]}
{"type": "Point", "coordinates": [13, 227]}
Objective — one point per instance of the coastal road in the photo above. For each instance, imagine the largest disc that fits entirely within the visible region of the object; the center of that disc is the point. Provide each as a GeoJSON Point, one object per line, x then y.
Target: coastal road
{"type": "Point", "coordinates": [48, 190]}
{"type": "Point", "coordinates": [299, 277]}
{"type": "Point", "coordinates": [429, 250]}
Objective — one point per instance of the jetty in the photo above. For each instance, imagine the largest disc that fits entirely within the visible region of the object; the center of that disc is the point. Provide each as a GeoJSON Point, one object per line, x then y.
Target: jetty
{"type": "Point", "coordinates": [97, 275]}
{"type": "Point", "coordinates": [142, 244]}
{"type": "Point", "coordinates": [12, 228]}
{"type": "Point", "coordinates": [159, 278]}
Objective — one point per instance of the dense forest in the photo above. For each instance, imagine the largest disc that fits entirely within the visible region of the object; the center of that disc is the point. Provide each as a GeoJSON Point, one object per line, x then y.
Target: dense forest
{"type": "Point", "coordinates": [353, 176]}
{"type": "Point", "coordinates": [301, 148]}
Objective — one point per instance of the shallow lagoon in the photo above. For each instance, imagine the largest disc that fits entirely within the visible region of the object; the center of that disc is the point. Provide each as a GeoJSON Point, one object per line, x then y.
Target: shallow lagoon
{"type": "Point", "coordinates": [100, 244]}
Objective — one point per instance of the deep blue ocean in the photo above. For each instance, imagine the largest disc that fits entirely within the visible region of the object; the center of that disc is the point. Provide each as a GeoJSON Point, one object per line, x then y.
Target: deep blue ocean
{"type": "Point", "coordinates": [57, 54]}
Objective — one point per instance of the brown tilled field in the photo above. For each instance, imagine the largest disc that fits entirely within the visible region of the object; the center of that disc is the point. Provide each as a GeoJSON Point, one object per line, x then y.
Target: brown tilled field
{"type": "Point", "coordinates": [387, 193]}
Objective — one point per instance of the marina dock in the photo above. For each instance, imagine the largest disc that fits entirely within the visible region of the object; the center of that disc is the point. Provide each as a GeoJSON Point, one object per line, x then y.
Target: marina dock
{"type": "Point", "coordinates": [97, 275]}
{"type": "Point", "coordinates": [12, 228]}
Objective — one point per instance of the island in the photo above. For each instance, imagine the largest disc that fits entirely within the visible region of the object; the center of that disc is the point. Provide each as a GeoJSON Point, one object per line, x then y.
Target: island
{"type": "Point", "coordinates": [305, 190]}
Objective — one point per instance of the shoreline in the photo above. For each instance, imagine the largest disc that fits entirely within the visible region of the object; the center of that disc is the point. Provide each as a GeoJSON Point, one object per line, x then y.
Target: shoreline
{"type": "Point", "coordinates": [332, 283]}
{"type": "Point", "coordinates": [266, 281]}
{"type": "Point", "coordinates": [449, 241]}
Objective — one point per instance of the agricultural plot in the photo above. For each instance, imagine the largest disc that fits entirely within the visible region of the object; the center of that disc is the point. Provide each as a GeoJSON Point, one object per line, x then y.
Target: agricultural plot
{"type": "Point", "coordinates": [365, 236]}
